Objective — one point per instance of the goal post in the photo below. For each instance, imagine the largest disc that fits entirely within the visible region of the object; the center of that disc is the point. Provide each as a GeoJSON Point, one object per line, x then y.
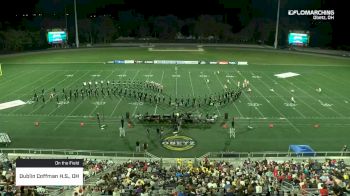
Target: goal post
{"type": "Point", "coordinates": [0, 70]}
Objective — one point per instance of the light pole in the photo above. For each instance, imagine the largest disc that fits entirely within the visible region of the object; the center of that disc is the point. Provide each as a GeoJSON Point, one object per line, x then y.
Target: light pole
{"type": "Point", "coordinates": [76, 25]}
{"type": "Point", "coordinates": [277, 21]}
{"type": "Point", "coordinates": [65, 17]}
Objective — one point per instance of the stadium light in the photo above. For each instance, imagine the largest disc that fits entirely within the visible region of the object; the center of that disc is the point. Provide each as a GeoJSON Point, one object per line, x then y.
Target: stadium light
{"type": "Point", "coordinates": [277, 21]}
{"type": "Point", "coordinates": [65, 17]}
{"type": "Point", "coordinates": [76, 25]}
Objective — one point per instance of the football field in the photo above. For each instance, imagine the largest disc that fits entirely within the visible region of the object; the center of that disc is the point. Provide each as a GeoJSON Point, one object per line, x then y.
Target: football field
{"type": "Point", "coordinates": [319, 119]}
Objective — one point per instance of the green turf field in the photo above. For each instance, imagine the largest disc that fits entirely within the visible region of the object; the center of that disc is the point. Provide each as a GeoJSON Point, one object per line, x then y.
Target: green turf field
{"type": "Point", "coordinates": [60, 124]}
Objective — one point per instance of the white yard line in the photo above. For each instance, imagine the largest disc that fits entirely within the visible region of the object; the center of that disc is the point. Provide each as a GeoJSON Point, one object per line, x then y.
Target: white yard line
{"type": "Point", "coordinates": [249, 98]}
{"type": "Point", "coordinates": [54, 110]}
{"type": "Point", "coordinates": [189, 75]}
{"type": "Point", "coordinates": [329, 89]}
{"type": "Point", "coordinates": [337, 82]}
{"type": "Point", "coordinates": [325, 95]}
{"type": "Point", "coordinates": [120, 100]}
{"type": "Point", "coordinates": [277, 110]}
{"type": "Point", "coordinates": [210, 93]}
{"type": "Point", "coordinates": [73, 109]}
{"type": "Point", "coordinates": [21, 96]}
{"type": "Point", "coordinates": [137, 105]}
{"type": "Point", "coordinates": [106, 78]}
{"type": "Point", "coordinates": [291, 124]}
{"type": "Point", "coordinates": [176, 83]}
{"type": "Point", "coordinates": [51, 99]}
{"type": "Point", "coordinates": [30, 95]}
{"type": "Point", "coordinates": [122, 97]}
{"type": "Point", "coordinates": [306, 93]}
{"type": "Point", "coordinates": [28, 84]}
{"type": "Point", "coordinates": [4, 83]}
{"type": "Point", "coordinates": [281, 97]}
{"type": "Point", "coordinates": [76, 107]}
{"type": "Point", "coordinates": [161, 80]}
{"type": "Point", "coordinates": [233, 105]}
{"type": "Point", "coordinates": [155, 109]}
{"type": "Point", "coordinates": [340, 96]}
{"type": "Point", "coordinates": [135, 109]}
{"type": "Point", "coordinates": [301, 100]}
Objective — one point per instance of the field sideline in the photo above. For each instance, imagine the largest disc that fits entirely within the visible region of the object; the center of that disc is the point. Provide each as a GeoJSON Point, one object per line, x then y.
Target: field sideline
{"type": "Point", "coordinates": [321, 120]}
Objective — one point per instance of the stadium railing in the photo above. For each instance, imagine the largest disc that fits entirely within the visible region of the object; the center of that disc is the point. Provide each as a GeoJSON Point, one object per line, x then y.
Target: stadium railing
{"type": "Point", "coordinates": [275, 154]}
{"type": "Point", "coordinates": [69, 152]}
{"type": "Point", "coordinates": [127, 154]}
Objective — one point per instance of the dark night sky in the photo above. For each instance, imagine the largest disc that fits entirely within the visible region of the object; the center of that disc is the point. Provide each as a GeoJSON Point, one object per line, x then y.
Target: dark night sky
{"type": "Point", "coordinates": [183, 9]}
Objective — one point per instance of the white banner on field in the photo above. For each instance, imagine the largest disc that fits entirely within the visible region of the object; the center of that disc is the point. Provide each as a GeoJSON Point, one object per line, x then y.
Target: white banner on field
{"type": "Point", "coordinates": [286, 75]}
{"type": "Point", "coordinates": [11, 104]}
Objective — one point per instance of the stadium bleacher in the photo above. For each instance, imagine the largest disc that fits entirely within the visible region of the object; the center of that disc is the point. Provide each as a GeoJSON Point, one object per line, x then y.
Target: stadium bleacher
{"type": "Point", "coordinates": [196, 177]}
{"type": "Point", "coordinates": [210, 177]}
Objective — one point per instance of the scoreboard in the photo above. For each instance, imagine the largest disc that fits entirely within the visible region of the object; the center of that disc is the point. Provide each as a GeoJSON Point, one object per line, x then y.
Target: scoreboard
{"type": "Point", "coordinates": [56, 37]}
{"type": "Point", "coordinates": [298, 39]}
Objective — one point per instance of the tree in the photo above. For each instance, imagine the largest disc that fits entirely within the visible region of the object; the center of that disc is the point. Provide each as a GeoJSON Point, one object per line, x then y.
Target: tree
{"type": "Point", "coordinates": [225, 32]}
{"type": "Point", "coordinates": [107, 31]}
{"type": "Point", "coordinates": [187, 27]}
{"type": "Point", "coordinates": [143, 31]}
{"type": "Point", "coordinates": [2, 40]}
{"type": "Point", "coordinates": [321, 35]}
{"type": "Point", "coordinates": [212, 26]}
{"type": "Point", "coordinates": [166, 27]}
{"type": "Point", "coordinates": [15, 40]}
{"type": "Point", "coordinates": [130, 24]}
{"type": "Point", "coordinates": [85, 30]}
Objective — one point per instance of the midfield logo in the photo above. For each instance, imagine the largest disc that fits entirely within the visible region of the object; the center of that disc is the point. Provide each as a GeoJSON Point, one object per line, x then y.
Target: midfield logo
{"type": "Point", "coordinates": [178, 143]}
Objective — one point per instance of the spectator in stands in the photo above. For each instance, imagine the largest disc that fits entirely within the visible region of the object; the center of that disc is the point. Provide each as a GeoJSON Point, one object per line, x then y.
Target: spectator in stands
{"type": "Point", "coordinates": [162, 191]}
{"type": "Point", "coordinates": [337, 190]}
{"type": "Point", "coordinates": [116, 192]}
{"type": "Point", "coordinates": [9, 190]}
{"type": "Point", "coordinates": [319, 185]}
{"type": "Point", "coordinates": [40, 190]}
{"type": "Point", "coordinates": [209, 178]}
{"type": "Point", "coordinates": [324, 190]}
{"type": "Point", "coordinates": [347, 188]}
{"type": "Point", "coordinates": [258, 189]}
